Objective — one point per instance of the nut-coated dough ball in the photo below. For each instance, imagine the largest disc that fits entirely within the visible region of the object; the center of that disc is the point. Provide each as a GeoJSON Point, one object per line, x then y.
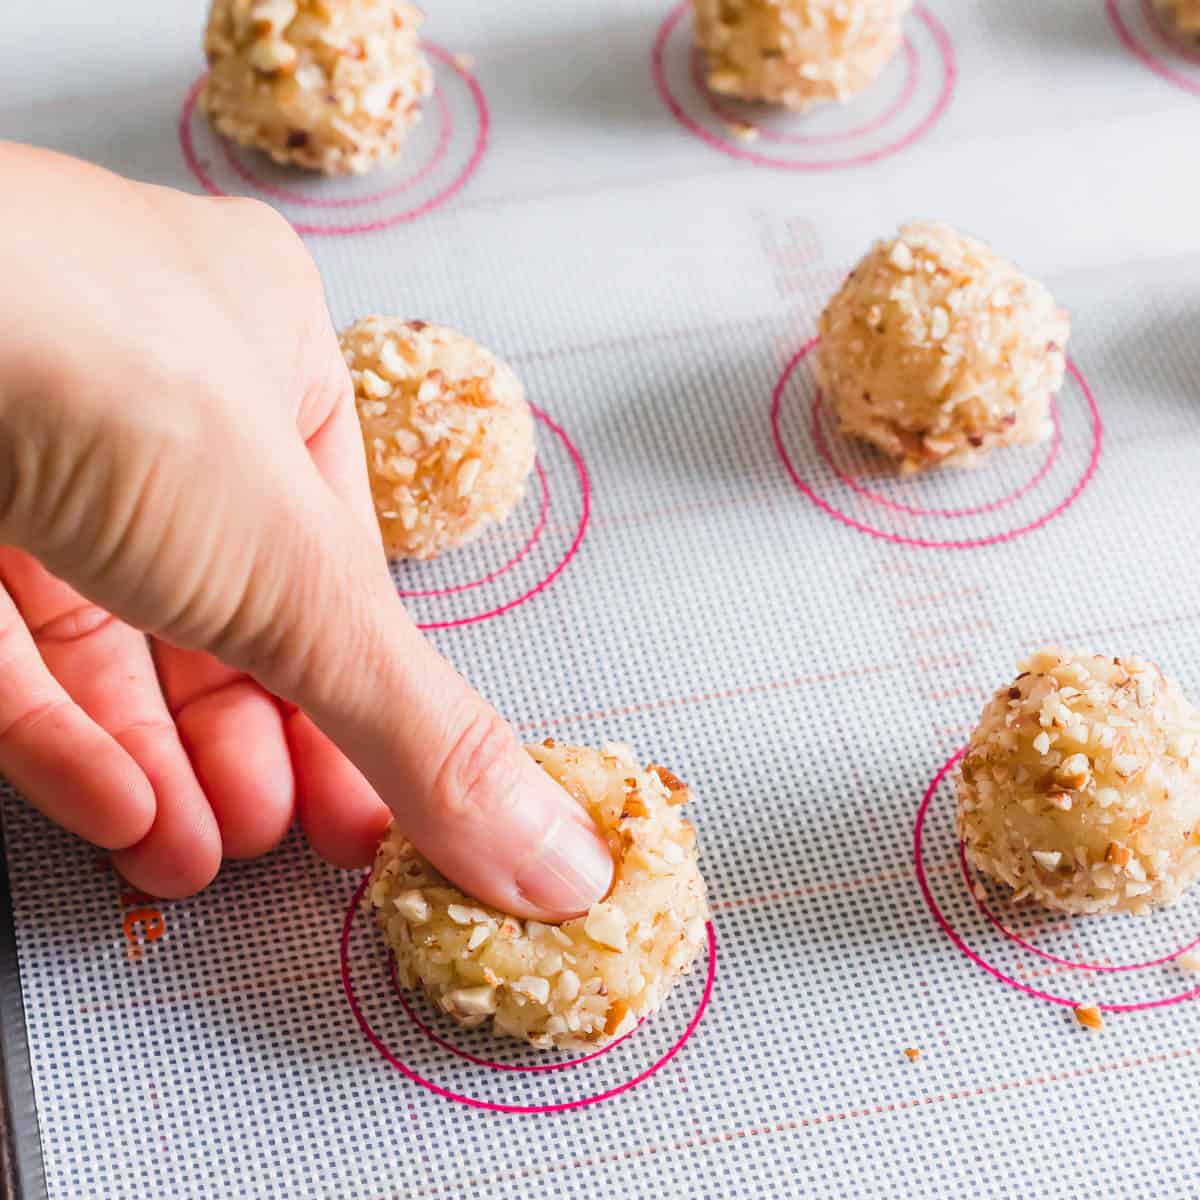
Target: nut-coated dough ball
{"type": "Point", "coordinates": [447, 432]}
{"type": "Point", "coordinates": [332, 85]}
{"type": "Point", "coordinates": [797, 53]}
{"type": "Point", "coordinates": [1081, 785]}
{"type": "Point", "coordinates": [1186, 14]}
{"type": "Point", "coordinates": [936, 350]}
{"type": "Point", "coordinates": [587, 981]}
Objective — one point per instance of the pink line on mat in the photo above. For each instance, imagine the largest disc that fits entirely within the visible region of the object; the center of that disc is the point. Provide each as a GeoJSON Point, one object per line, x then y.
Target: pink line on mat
{"type": "Point", "coordinates": [562, 1106]}
{"type": "Point", "coordinates": [969, 1092]}
{"type": "Point", "coordinates": [823, 449]}
{"type": "Point", "coordinates": [945, 48]}
{"type": "Point", "coordinates": [947, 929]}
{"type": "Point", "coordinates": [929, 543]}
{"type": "Point", "coordinates": [487, 1062]}
{"type": "Point", "coordinates": [1136, 48]}
{"type": "Point", "coordinates": [585, 488]}
{"type": "Point", "coordinates": [911, 76]}
{"type": "Point", "coordinates": [445, 128]}
{"type": "Point", "coordinates": [199, 170]}
{"type": "Point", "coordinates": [1173, 40]}
{"type": "Point", "coordinates": [512, 562]}
{"type": "Point", "coordinates": [1099, 968]}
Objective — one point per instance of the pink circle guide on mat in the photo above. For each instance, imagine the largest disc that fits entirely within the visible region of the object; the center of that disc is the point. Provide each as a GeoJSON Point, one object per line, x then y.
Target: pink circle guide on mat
{"type": "Point", "coordinates": [491, 576]}
{"type": "Point", "coordinates": [494, 1106]}
{"type": "Point", "coordinates": [445, 1044]}
{"type": "Point", "coordinates": [904, 96]}
{"type": "Point", "coordinates": [199, 168]}
{"type": "Point", "coordinates": [978, 959]}
{"type": "Point", "coordinates": [553, 573]}
{"type": "Point", "coordinates": [246, 171]}
{"type": "Point", "coordinates": [1105, 968]}
{"type": "Point", "coordinates": [941, 41]}
{"type": "Point", "coordinates": [931, 543]}
{"type": "Point", "coordinates": [822, 444]}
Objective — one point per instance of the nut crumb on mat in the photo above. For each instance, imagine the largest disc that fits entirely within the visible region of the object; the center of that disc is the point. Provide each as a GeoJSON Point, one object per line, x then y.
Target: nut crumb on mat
{"type": "Point", "coordinates": [587, 981]}
{"type": "Point", "coordinates": [331, 85]}
{"type": "Point", "coordinates": [1089, 1016]}
{"type": "Point", "coordinates": [446, 429]}
{"type": "Point", "coordinates": [936, 350]}
{"type": "Point", "coordinates": [1080, 787]}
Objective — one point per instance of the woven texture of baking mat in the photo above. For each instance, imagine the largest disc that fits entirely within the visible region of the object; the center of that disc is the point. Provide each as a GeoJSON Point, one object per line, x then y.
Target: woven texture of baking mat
{"type": "Point", "coordinates": [705, 571]}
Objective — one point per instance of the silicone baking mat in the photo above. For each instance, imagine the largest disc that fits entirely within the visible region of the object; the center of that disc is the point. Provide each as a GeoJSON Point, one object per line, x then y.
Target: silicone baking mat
{"type": "Point", "coordinates": [705, 570]}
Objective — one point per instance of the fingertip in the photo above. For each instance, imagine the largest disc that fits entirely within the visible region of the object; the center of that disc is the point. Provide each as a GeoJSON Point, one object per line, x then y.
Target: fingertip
{"type": "Point", "coordinates": [129, 814]}
{"type": "Point", "coordinates": [528, 849]}
{"type": "Point", "coordinates": [81, 778]}
{"type": "Point", "coordinates": [181, 853]}
{"type": "Point", "coordinates": [353, 848]}
{"type": "Point", "coordinates": [569, 871]}
{"type": "Point", "coordinates": [169, 875]}
{"type": "Point", "coordinates": [135, 821]}
{"type": "Point", "coordinates": [235, 740]}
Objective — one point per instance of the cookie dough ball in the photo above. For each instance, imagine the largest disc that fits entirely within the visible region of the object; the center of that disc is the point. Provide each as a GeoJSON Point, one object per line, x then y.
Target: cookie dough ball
{"type": "Point", "coordinates": [1081, 785]}
{"type": "Point", "coordinates": [333, 85]}
{"type": "Point", "coordinates": [587, 981]}
{"type": "Point", "coordinates": [936, 350]}
{"type": "Point", "coordinates": [797, 52]}
{"type": "Point", "coordinates": [447, 432]}
{"type": "Point", "coordinates": [1186, 14]}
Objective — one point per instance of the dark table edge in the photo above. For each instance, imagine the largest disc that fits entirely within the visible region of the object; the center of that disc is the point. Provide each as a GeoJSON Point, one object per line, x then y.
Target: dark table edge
{"type": "Point", "coordinates": [22, 1168]}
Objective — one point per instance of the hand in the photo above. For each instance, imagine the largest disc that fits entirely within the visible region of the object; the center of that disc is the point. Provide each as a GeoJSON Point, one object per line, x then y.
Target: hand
{"type": "Point", "coordinates": [179, 454]}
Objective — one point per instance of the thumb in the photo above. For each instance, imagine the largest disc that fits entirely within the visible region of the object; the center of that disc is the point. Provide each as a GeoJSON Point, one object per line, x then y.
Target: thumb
{"type": "Point", "coordinates": [462, 788]}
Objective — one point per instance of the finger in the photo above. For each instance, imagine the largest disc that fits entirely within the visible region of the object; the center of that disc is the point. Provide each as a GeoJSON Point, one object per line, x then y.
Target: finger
{"type": "Point", "coordinates": [452, 772]}
{"type": "Point", "coordinates": [59, 758]}
{"type": "Point", "coordinates": [234, 735]}
{"type": "Point", "coordinates": [181, 854]}
{"type": "Point", "coordinates": [340, 646]}
{"type": "Point", "coordinates": [340, 813]}
{"type": "Point", "coordinates": [105, 667]}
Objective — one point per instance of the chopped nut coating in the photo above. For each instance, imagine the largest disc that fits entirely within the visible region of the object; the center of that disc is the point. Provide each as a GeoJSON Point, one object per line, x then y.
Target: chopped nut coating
{"type": "Point", "coordinates": [446, 429]}
{"type": "Point", "coordinates": [936, 350]}
{"type": "Point", "coordinates": [331, 85]}
{"type": "Point", "coordinates": [1186, 14]}
{"type": "Point", "coordinates": [576, 985]}
{"type": "Point", "coordinates": [1081, 785]}
{"type": "Point", "coordinates": [797, 53]}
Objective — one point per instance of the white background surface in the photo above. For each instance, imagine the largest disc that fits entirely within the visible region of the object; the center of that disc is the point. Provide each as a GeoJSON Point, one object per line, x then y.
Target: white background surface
{"type": "Point", "coordinates": [808, 679]}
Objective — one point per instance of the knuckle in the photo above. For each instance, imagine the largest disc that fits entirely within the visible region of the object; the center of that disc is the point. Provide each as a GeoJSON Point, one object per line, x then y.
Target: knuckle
{"type": "Point", "coordinates": [80, 622]}
{"type": "Point", "coordinates": [259, 220]}
{"type": "Point", "coordinates": [30, 414]}
{"type": "Point", "coordinates": [20, 727]}
{"type": "Point", "coordinates": [478, 779]}
{"type": "Point", "coordinates": [257, 212]}
{"type": "Point", "coordinates": [153, 730]}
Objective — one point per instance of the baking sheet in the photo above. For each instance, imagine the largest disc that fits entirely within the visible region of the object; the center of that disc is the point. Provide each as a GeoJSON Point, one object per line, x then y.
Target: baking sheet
{"type": "Point", "coordinates": [705, 571]}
